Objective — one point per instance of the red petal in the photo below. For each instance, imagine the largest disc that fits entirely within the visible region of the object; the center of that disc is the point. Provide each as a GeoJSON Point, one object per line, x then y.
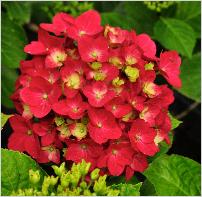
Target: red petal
{"type": "Point", "coordinates": [19, 124]}
{"type": "Point", "coordinates": [16, 142]}
{"type": "Point", "coordinates": [35, 48]}
{"type": "Point", "coordinates": [114, 167]}
{"type": "Point", "coordinates": [89, 22]}
{"type": "Point", "coordinates": [41, 110]}
{"type": "Point", "coordinates": [32, 146]}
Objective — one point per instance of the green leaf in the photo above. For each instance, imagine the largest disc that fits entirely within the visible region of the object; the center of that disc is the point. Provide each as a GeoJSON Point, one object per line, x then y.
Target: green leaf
{"type": "Point", "coordinates": [18, 11]}
{"type": "Point", "coordinates": [175, 176]}
{"type": "Point", "coordinates": [143, 18]}
{"type": "Point", "coordinates": [147, 189]}
{"type": "Point", "coordinates": [15, 168]}
{"type": "Point", "coordinates": [4, 119]}
{"type": "Point", "coordinates": [174, 122]}
{"type": "Point", "coordinates": [13, 42]}
{"type": "Point", "coordinates": [8, 78]}
{"type": "Point", "coordinates": [190, 12]}
{"type": "Point", "coordinates": [175, 34]}
{"type": "Point", "coordinates": [117, 20]}
{"type": "Point", "coordinates": [191, 77]}
{"type": "Point", "coordinates": [128, 189]}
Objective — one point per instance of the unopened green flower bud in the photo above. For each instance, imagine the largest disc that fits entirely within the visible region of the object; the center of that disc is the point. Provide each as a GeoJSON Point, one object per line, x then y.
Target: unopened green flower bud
{"type": "Point", "coordinates": [65, 179]}
{"type": "Point", "coordinates": [74, 178]}
{"type": "Point", "coordinates": [64, 131]}
{"type": "Point", "coordinates": [87, 192]}
{"type": "Point", "coordinates": [45, 185]}
{"type": "Point", "coordinates": [99, 76]}
{"type": "Point", "coordinates": [59, 120]}
{"type": "Point", "coordinates": [59, 170]}
{"type": "Point", "coordinates": [83, 185]}
{"type": "Point", "coordinates": [132, 73]}
{"type": "Point", "coordinates": [100, 186]}
{"type": "Point", "coordinates": [112, 192]}
{"type": "Point", "coordinates": [34, 176]}
{"type": "Point", "coordinates": [29, 192]}
{"type": "Point", "coordinates": [149, 66]}
{"type": "Point", "coordinates": [84, 167]}
{"type": "Point", "coordinates": [78, 130]}
{"type": "Point", "coordinates": [95, 174]}
{"type": "Point", "coordinates": [96, 65]}
{"type": "Point", "coordinates": [117, 82]}
{"type": "Point", "coordinates": [53, 180]}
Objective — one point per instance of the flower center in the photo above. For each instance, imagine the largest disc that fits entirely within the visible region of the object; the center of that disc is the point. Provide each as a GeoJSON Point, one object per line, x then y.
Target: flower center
{"type": "Point", "coordinates": [45, 96]}
{"type": "Point", "coordinates": [73, 81]}
{"type": "Point", "coordinates": [81, 33]}
{"type": "Point", "coordinates": [59, 57]}
{"type": "Point", "coordinates": [29, 132]}
{"type": "Point", "coordinates": [114, 152]}
{"type": "Point", "coordinates": [114, 107]}
{"type": "Point", "coordinates": [75, 109]}
{"type": "Point", "coordinates": [99, 124]}
{"type": "Point", "coordinates": [51, 149]}
{"type": "Point", "coordinates": [137, 137]}
{"type": "Point", "coordinates": [84, 146]}
{"type": "Point", "coordinates": [94, 54]}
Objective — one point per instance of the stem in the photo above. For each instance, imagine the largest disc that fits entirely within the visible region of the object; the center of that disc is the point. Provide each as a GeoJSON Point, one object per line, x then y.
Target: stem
{"type": "Point", "coordinates": [186, 111]}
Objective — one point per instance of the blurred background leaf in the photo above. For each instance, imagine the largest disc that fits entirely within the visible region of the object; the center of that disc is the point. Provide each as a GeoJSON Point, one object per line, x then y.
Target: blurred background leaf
{"type": "Point", "coordinates": [190, 13]}
{"type": "Point", "coordinates": [18, 11]}
{"type": "Point", "coordinates": [176, 35]}
{"type": "Point", "coordinates": [116, 19]}
{"type": "Point", "coordinates": [8, 78]}
{"type": "Point", "coordinates": [13, 42]}
{"type": "Point", "coordinates": [191, 77]}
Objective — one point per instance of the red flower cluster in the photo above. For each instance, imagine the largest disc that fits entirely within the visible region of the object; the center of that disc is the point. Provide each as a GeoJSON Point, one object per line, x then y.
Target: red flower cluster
{"type": "Point", "coordinates": [90, 91]}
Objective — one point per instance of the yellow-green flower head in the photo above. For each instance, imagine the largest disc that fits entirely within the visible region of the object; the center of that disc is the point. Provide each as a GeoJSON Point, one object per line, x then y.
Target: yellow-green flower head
{"type": "Point", "coordinates": [59, 170]}
{"type": "Point", "coordinates": [132, 73]}
{"type": "Point", "coordinates": [34, 176]}
{"type": "Point", "coordinates": [149, 66]}
{"type": "Point", "coordinates": [95, 174]}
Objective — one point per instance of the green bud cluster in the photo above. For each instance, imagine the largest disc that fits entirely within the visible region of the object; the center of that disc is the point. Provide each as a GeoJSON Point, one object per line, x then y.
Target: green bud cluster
{"type": "Point", "coordinates": [68, 183]}
{"type": "Point", "coordinates": [74, 8]}
{"type": "Point", "coordinates": [158, 5]}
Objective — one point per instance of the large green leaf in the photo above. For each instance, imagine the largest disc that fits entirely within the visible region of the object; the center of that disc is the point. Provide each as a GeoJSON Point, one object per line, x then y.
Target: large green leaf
{"type": "Point", "coordinates": [191, 77]}
{"type": "Point", "coordinates": [143, 18]}
{"type": "Point", "coordinates": [175, 34]}
{"type": "Point", "coordinates": [175, 176]}
{"type": "Point", "coordinates": [190, 12]}
{"type": "Point", "coordinates": [8, 78]}
{"type": "Point", "coordinates": [147, 189]}
{"type": "Point", "coordinates": [128, 189]}
{"type": "Point", "coordinates": [4, 119]}
{"type": "Point", "coordinates": [116, 19]}
{"type": "Point", "coordinates": [12, 42]}
{"type": "Point", "coordinates": [18, 11]}
{"type": "Point", "coordinates": [15, 168]}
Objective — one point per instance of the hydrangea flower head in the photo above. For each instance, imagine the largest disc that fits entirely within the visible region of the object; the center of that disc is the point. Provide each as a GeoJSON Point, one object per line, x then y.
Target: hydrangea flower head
{"type": "Point", "coordinates": [90, 92]}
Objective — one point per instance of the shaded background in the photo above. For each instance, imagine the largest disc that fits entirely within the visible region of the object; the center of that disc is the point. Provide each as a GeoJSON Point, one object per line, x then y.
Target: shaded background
{"type": "Point", "coordinates": [173, 26]}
